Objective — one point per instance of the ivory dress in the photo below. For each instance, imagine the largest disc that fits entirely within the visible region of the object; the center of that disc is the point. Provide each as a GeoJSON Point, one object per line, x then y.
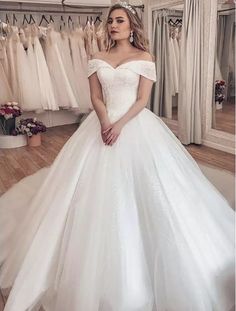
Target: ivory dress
{"type": "Point", "coordinates": [131, 227]}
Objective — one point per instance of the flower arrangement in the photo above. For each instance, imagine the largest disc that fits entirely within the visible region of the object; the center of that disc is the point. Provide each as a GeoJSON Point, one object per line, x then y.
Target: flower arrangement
{"type": "Point", "coordinates": [8, 114]}
{"type": "Point", "coordinates": [219, 90]}
{"type": "Point", "coordinates": [30, 127]}
{"type": "Point", "coordinates": [10, 110]}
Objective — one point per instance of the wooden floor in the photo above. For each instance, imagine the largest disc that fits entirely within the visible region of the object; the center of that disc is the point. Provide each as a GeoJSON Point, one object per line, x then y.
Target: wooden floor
{"type": "Point", "coordinates": [224, 118]}
{"type": "Point", "coordinates": [20, 162]}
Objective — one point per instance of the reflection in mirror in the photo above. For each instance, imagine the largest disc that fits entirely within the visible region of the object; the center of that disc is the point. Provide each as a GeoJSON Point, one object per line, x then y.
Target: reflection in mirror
{"type": "Point", "coordinates": [223, 112]}
{"type": "Point", "coordinates": [167, 26]}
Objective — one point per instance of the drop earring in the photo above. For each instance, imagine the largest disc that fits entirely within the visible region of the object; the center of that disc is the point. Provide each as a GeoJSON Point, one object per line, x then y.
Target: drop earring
{"type": "Point", "coordinates": [131, 38]}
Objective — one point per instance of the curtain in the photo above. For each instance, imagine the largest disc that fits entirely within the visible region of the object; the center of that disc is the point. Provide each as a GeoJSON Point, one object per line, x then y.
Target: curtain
{"type": "Point", "coordinates": [227, 58]}
{"type": "Point", "coordinates": [161, 97]}
{"type": "Point", "coordinates": [191, 66]}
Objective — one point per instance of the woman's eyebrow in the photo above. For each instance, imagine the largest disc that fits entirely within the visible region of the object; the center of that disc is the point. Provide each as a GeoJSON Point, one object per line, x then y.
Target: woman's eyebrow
{"type": "Point", "coordinates": [116, 17]}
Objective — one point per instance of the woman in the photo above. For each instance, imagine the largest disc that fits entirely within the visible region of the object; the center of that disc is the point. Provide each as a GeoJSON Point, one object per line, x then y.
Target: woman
{"type": "Point", "coordinates": [123, 220]}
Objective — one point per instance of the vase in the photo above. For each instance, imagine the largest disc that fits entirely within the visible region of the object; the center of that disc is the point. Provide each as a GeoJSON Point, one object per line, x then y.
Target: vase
{"type": "Point", "coordinates": [34, 140]}
{"type": "Point", "coordinates": [7, 125]}
{"type": "Point", "coordinates": [219, 105]}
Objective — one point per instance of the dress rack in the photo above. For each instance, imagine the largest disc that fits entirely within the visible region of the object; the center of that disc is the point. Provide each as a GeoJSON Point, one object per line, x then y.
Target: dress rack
{"type": "Point", "coordinates": [59, 8]}
{"type": "Point", "coordinates": [20, 7]}
{"type": "Point", "coordinates": [226, 10]}
{"type": "Point", "coordinates": [105, 7]}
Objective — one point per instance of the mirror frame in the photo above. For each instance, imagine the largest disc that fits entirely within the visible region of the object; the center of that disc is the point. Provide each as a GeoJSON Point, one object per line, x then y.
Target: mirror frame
{"type": "Point", "coordinates": [210, 137]}
{"type": "Point", "coordinates": [153, 5]}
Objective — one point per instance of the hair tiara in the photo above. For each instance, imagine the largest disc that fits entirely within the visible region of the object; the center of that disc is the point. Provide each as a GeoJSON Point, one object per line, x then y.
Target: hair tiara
{"type": "Point", "coordinates": [127, 6]}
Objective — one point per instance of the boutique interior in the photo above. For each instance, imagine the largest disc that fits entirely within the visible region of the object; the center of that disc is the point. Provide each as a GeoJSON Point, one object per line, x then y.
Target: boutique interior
{"type": "Point", "coordinates": [193, 43]}
{"type": "Point", "coordinates": [194, 94]}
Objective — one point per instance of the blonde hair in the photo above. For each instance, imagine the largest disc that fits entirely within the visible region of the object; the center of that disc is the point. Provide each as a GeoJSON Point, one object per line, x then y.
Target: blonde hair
{"type": "Point", "coordinates": [140, 41]}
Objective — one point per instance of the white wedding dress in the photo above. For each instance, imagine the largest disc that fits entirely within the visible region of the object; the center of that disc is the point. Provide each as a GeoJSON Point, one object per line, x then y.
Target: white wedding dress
{"type": "Point", "coordinates": [131, 227]}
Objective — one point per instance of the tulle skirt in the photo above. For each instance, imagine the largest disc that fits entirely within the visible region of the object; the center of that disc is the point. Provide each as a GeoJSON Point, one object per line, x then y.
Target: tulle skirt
{"type": "Point", "coordinates": [131, 227]}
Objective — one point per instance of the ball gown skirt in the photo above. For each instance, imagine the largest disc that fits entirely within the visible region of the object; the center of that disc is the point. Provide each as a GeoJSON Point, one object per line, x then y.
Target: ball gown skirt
{"type": "Point", "coordinates": [131, 227]}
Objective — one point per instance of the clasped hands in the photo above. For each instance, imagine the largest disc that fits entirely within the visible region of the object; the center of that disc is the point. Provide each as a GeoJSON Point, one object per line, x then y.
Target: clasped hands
{"type": "Point", "coordinates": [111, 132]}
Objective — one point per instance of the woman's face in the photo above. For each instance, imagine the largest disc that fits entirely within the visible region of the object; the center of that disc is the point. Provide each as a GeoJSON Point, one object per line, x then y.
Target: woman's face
{"type": "Point", "coordinates": [118, 25]}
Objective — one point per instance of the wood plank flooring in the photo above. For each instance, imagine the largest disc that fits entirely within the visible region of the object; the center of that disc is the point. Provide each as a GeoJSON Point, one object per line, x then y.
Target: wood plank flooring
{"type": "Point", "coordinates": [20, 162]}
{"type": "Point", "coordinates": [224, 118]}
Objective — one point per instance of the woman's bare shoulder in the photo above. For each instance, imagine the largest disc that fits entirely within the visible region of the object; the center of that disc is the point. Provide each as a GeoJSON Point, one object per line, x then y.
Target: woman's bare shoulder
{"type": "Point", "coordinates": [99, 55]}
{"type": "Point", "coordinates": [146, 56]}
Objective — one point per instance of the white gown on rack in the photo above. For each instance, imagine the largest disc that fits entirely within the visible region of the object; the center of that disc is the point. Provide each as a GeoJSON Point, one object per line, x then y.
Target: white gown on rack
{"type": "Point", "coordinates": [65, 97]}
{"type": "Point", "coordinates": [45, 82]}
{"type": "Point", "coordinates": [132, 227]}
{"type": "Point", "coordinates": [79, 65]}
{"type": "Point", "coordinates": [5, 90]}
{"type": "Point", "coordinates": [11, 52]}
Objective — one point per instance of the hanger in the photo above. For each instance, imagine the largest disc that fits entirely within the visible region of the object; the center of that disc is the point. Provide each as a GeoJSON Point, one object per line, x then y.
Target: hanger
{"type": "Point", "coordinates": [25, 20]}
{"type": "Point", "coordinates": [70, 20]}
{"type": "Point", "coordinates": [14, 19]}
{"type": "Point", "coordinates": [43, 18]}
{"type": "Point", "coordinates": [51, 20]}
{"type": "Point", "coordinates": [178, 22]}
{"type": "Point", "coordinates": [98, 19]}
{"type": "Point", "coordinates": [62, 21]}
{"type": "Point", "coordinates": [171, 22]}
{"type": "Point", "coordinates": [7, 19]}
{"type": "Point", "coordinates": [1, 28]}
{"type": "Point", "coordinates": [32, 20]}
{"type": "Point", "coordinates": [79, 20]}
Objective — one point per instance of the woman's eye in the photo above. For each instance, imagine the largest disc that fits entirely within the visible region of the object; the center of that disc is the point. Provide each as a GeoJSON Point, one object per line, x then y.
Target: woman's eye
{"type": "Point", "coordinates": [120, 21]}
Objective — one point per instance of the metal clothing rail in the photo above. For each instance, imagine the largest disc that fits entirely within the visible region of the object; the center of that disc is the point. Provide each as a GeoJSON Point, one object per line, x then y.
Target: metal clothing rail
{"type": "Point", "coordinates": [20, 7]}
{"type": "Point", "coordinates": [225, 10]}
{"type": "Point", "coordinates": [60, 8]}
{"type": "Point", "coordinates": [6, 10]}
{"type": "Point", "coordinates": [80, 6]}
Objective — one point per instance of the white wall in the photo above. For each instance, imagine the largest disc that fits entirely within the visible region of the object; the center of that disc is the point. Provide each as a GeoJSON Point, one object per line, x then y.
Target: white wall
{"type": "Point", "coordinates": [78, 2]}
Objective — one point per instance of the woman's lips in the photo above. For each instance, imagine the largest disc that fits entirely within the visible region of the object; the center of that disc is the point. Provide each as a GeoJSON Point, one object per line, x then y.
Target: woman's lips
{"type": "Point", "coordinates": [114, 31]}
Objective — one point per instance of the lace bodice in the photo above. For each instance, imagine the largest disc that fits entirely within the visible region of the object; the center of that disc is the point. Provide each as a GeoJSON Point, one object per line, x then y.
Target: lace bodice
{"type": "Point", "coordinates": [120, 84]}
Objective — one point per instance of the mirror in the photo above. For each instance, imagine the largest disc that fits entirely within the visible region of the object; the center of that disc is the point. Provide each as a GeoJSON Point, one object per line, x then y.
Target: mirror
{"type": "Point", "coordinates": [166, 38]}
{"type": "Point", "coordinates": [223, 110]}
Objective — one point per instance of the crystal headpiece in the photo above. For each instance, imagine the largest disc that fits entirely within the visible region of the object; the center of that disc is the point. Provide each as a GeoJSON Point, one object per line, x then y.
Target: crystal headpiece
{"type": "Point", "coordinates": [124, 4]}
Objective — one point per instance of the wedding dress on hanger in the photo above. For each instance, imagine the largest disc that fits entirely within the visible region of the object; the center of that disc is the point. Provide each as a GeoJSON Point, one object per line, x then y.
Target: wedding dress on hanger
{"type": "Point", "coordinates": [95, 48]}
{"type": "Point", "coordinates": [45, 82]}
{"type": "Point", "coordinates": [65, 97]}
{"type": "Point", "coordinates": [11, 47]}
{"type": "Point", "coordinates": [88, 39]}
{"type": "Point", "coordinates": [83, 55]}
{"type": "Point", "coordinates": [101, 36]}
{"type": "Point", "coordinates": [3, 57]}
{"type": "Point", "coordinates": [34, 85]}
{"type": "Point", "coordinates": [133, 226]}
{"type": "Point", "coordinates": [78, 59]}
{"type": "Point", "coordinates": [5, 90]}
{"type": "Point", "coordinates": [64, 45]}
{"type": "Point", "coordinates": [29, 97]}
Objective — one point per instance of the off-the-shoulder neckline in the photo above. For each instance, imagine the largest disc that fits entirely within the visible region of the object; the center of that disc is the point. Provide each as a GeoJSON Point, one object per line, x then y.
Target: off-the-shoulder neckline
{"type": "Point", "coordinates": [131, 61]}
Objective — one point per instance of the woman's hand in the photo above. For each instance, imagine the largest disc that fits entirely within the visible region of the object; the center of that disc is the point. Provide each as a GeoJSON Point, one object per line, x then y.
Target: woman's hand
{"type": "Point", "coordinates": [112, 133]}
{"type": "Point", "coordinates": [104, 127]}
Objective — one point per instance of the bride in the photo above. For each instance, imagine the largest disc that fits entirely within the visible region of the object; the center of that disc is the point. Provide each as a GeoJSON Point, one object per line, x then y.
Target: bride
{"type": "Point", "coordinates": [124, 219]}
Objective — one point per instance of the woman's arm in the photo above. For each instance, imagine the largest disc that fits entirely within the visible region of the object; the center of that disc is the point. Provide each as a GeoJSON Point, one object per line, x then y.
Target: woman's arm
{"type": "Point", "coordinates": [97, 100]}
{"type": "Point", "coordinates": [144, 90]}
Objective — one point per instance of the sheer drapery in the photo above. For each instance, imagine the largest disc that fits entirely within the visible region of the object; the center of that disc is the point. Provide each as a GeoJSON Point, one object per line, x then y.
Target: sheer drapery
{"type": "Point", "coordinates": [225, 48]}
{"type": "Point", "coordinates": [161, 101]}
{"type": "Point", "coordinates": [191, 66]}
